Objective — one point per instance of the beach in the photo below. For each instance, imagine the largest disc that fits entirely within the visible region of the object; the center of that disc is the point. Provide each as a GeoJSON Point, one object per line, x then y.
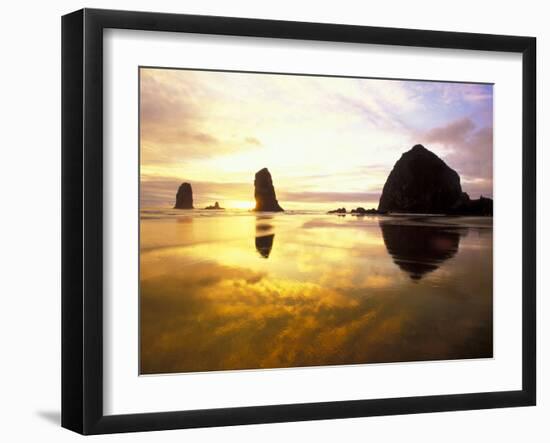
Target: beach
{"type": "Point", "coordinates": [234, 289]}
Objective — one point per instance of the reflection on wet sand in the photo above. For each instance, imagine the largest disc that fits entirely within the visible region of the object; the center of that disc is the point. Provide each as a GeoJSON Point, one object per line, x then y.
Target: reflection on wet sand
{"type": "Point", "coordinates": [329, 294]}
{"type": "Point", "coordinates": [419, 249]}
{"type": "Point", "coordinates": [264, 239]}
{"type": "Point", "coordinates": [264, 243]}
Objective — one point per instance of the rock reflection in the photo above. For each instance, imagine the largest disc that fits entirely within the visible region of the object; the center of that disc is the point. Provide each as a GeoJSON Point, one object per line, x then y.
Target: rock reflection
{"type": "Point", "coordinates": [329, 293]}
{"type": "Point", "coordinates": [264, 244]}
{"type": "Point", "coordinates": [264, 236]}
{"type": "Point", "coordinates": [420, 249]}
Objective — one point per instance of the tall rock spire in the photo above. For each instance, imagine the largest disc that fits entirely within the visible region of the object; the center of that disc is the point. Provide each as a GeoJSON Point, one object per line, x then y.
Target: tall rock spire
{"type": "Point", "coordinates": [264, 192]}
{"type": "Point", "coordinates": [184, 197]}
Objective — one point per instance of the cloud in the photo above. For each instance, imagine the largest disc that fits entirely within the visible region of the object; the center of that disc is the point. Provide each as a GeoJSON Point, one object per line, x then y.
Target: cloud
{"type": "Point", "coordinates": [323, 197]}
{"type": "Point", "coordinates": [455, 132]}
{"type": "Point", "coordinates": [478, 187]}
{"type": "Point", "coordinates": [164, 96]}
{"type": "Point", "coordinates": [162, 191]}
{"type": "Point", "coordinates": [253, 141]}
{"type": "Point", "coordinates": [212, 306]}
{"type": "Point", "coordinates": [469, 150]}
{"type": "Point", "coordinates": [382, 104]}
{"type": "Point", "coordinates": [312, 132]}
{"type": "Point", "coordinates": [453, 93]}
{"type": "Point", "coordinates": [174, 120]}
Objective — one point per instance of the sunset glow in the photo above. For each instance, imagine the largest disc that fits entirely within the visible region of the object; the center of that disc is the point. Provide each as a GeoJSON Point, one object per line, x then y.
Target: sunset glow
{"type": "Point", "coordinates": [328, 142]}
{"type": "Point", "coordinates": [248, 259]}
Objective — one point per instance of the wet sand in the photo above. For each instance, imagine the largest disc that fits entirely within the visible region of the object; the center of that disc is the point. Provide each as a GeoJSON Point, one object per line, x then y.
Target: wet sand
{"type": "Point", "coordinates": [239, 290]}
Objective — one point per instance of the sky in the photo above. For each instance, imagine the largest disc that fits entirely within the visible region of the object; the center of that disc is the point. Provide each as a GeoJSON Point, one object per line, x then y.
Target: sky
{"type": "Point", "coordinates": [328, 142]}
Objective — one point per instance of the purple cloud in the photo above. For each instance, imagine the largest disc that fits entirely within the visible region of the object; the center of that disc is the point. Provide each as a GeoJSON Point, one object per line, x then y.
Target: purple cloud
{"type": "Point", "coordinates": [469, 150]}
{"type": "Point", "coordinates": [328, 197]}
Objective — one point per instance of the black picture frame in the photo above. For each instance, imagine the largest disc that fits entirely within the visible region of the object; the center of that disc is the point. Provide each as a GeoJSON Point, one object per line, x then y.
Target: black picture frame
{"type": "Point", "coordinates": [82, 218]}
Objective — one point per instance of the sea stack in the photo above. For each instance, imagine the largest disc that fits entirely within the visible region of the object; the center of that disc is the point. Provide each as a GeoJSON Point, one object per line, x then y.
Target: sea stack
{"type": "Point", "coordinates": [264, 192]}
{"type": "Point", "coordinates": [420, 182]}
{"type": "Point", "coordinates": [184, 197]}
{"type": "Point", "coordinates": [216, 206]}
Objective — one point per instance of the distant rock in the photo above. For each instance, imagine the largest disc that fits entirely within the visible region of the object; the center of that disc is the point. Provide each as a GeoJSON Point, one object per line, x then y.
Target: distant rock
{"type": "Point", "coordinates": [216, 206]}
{"type": "Point", "coordinates": [337, 211]}
{"type": "Point", "coordinates": [184, 197]}
{"type": "Point", "coordinates": [466, 206]}
{"type": "Point", "coordinates": [356, 211]}
{"type": "Point", "coordinates": [363, 211]}
{"type": "Point", "coordinates": [264, 192]}
{"type": "Point", "coordinates": [420, 182]}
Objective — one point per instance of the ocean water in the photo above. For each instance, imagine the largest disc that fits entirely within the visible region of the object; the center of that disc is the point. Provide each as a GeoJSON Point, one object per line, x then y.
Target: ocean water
{"type": "Point", "coordinates": [230, 290]}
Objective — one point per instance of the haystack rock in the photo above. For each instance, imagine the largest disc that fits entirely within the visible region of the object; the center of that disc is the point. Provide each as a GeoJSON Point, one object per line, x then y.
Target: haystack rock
{"type": "Point", "coordinates": [420, 182]}
{"type": "Point", "coordinates": [184, 197]}
{"type": "Point", "coordinates": [264, 192]}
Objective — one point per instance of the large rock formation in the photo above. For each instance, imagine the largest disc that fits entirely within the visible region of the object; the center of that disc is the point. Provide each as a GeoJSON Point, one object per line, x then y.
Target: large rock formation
{"type": "Point", "coordinates": [184, 197]}
{"type": "Point", "coordinates": [264, 192]}
{"type": "Point", "coordinates": [420, 182]}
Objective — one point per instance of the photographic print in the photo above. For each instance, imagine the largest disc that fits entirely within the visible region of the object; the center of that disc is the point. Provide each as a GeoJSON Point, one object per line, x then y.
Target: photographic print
{"type": "Point", "coordinates": [291, 220]}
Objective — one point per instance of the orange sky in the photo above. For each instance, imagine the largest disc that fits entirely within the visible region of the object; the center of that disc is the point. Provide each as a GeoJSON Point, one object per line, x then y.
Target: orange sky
{"type": "Point", "coordinates": [328, 142]}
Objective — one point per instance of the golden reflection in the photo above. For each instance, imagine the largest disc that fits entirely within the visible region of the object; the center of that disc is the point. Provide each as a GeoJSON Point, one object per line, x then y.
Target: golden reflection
{"type": "Point", "coordinates": [328, 293]}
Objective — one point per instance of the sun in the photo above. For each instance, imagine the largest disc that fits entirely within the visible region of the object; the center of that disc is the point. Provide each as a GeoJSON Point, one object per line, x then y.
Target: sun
{"type": "Point", "coordinates": [241, 204]}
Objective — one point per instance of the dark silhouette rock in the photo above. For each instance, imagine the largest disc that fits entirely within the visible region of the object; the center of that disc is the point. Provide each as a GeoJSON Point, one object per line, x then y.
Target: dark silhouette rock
{"type": "Point", "coordinates": [420, 182]}
{"type": "Point", "coordinates": [481, 206]}
{"type": "Point", "coordinates": [418, 250]}
{"type": "Point", "coordinates": [216, 206]}
{"type": "Point", "coordinates": [184, 197]}
{"type": "Point", "coordinates": [362, 211]}
{"type": "Point", "coordinates": [357, 211]}
{"type": "Point", "coordinates": [337, 211]}
{"type": "Point", "coordinates": [264, 192]}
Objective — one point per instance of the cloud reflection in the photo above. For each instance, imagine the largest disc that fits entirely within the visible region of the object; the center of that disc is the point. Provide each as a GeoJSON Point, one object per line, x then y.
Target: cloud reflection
{"type": "Point", "coordinates": [330, 295]}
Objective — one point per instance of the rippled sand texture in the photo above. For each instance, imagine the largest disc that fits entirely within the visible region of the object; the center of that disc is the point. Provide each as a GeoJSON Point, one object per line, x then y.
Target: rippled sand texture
{"type": "Point", "coordinates": [240, 290]}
